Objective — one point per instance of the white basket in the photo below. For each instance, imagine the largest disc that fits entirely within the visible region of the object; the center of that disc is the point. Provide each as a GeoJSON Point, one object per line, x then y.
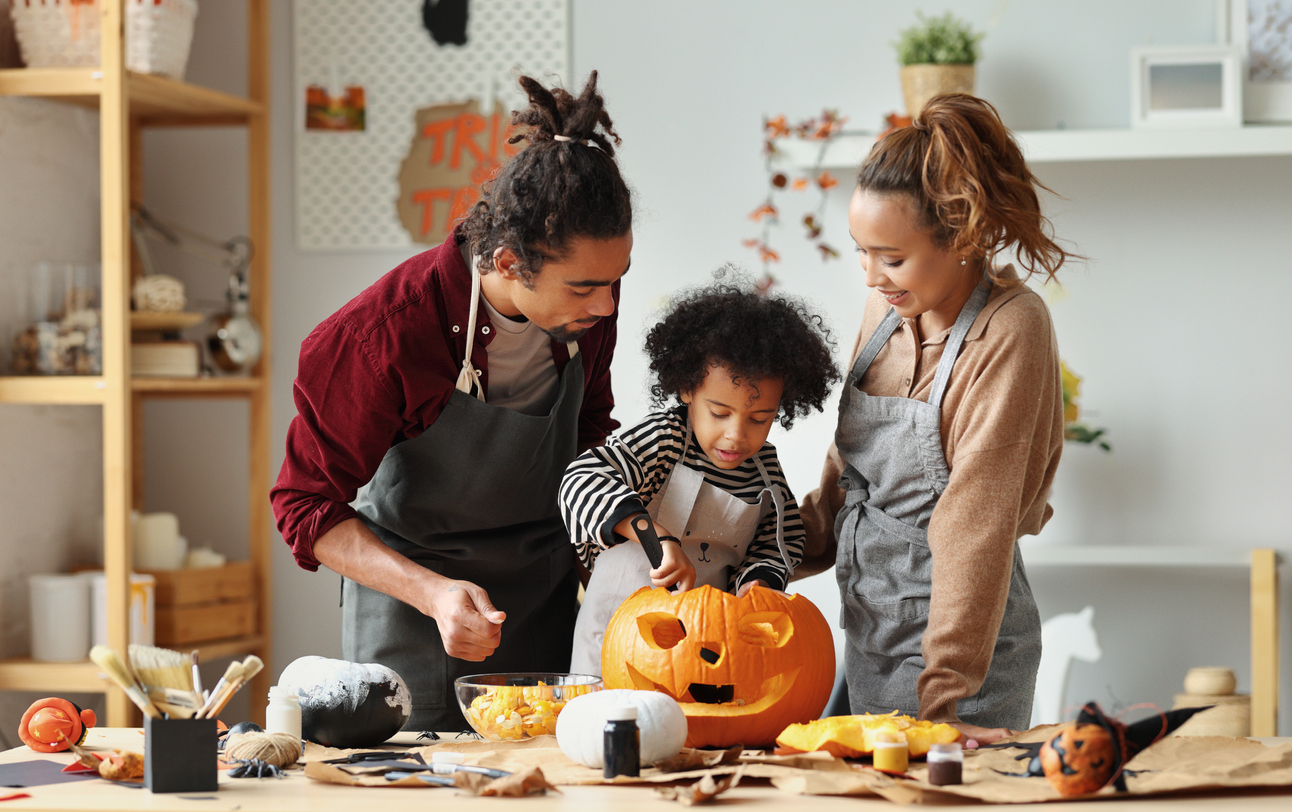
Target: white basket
{"type": "Point", "coordinates": [65, 34]}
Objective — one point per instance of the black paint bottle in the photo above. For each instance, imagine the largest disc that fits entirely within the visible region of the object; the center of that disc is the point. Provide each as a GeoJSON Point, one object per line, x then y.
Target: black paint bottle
{"type": "Point", "coordinates": [622, 742]}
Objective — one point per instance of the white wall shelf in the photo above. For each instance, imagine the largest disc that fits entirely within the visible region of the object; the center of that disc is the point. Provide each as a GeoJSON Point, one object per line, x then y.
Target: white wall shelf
{"type": "Point", "coordinates": [1078, 555]}
{"type": "Point", "coordinates": [1064, 146]}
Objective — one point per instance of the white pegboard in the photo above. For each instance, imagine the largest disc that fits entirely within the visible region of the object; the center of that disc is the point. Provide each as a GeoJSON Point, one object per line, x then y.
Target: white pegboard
{"type": "Point", "coordinates": [347, 184]}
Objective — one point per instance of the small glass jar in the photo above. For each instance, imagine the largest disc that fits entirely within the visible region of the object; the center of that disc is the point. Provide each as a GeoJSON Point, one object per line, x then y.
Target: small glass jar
{"type": "Point", "coordinates": [283, 714]}
{"type": "Point", "coordinates": [946, 764]}
{"type": "Point", "coordinates": [61, 333]}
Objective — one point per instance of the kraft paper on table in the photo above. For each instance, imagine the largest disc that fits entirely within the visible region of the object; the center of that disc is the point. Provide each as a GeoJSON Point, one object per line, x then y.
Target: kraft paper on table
{"type": "Point", "coordinates": [1173, 765]}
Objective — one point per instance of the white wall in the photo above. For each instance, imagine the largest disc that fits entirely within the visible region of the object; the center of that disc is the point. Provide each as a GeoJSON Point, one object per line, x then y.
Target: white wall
{"type": "Point", "coordinates": [1182, 356]}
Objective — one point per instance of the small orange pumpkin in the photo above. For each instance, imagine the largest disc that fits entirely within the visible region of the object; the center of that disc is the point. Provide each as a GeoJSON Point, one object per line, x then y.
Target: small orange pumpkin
{"type": "Point", "coordinates": [1086, 755]}
{"type": "Point", "coordinates": [741, 668]}
{"type": "Point", "coordinates": [53, 724]}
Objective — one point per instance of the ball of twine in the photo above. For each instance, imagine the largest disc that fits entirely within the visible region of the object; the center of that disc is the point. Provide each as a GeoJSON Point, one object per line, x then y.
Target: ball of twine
{"type": "Point", "coordinates": [159, 293]}
{"type": "Point", "coordinates": [278, 749]}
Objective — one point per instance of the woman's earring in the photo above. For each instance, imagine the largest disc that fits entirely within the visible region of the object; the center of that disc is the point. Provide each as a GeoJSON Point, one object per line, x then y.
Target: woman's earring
{"type": "Point", "coordinates": [962, 261]}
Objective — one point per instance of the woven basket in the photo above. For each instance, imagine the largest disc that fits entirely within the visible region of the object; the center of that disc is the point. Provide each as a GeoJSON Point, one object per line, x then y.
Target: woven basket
{"type": "Point", "coordinates": [65, 34]}
{"type": "Point", "coordinates": [922, 82]}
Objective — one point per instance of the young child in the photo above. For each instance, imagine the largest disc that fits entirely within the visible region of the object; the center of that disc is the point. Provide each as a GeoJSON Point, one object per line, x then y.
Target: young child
{"type": "Point", "coordinates": [736, 361]}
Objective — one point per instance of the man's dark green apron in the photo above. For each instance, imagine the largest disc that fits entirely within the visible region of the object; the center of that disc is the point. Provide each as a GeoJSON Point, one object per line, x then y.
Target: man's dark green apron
{"type": "Point", "coordinates": [473, 498]}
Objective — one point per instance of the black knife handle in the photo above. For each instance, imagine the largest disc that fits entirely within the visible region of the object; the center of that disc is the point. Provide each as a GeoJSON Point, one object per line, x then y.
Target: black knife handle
{"type": "Point", "coordinates": [649, 541]}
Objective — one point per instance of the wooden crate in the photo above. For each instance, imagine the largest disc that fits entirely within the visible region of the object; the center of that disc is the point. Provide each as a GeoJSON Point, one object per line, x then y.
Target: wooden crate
{"type": "Point", "coordinates": [234, 581]}
{"type": "Point", "coordinates": [198, 605]}
{"type": "Point", "coordinates": [182, 625]}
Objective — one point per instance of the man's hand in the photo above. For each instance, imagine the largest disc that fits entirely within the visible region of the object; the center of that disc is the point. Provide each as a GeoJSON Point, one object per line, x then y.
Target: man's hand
{"type": "Point", "coordinates": [676, 568]}
{"type": "Point", "coordinates": [468, 622]}
{"type": "Point", "coordinates": [470, 626]}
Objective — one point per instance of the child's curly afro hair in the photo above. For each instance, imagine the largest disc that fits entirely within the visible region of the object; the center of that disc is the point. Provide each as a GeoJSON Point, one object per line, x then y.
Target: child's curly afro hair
{"type": "Point", "coordinates": [755, 336]}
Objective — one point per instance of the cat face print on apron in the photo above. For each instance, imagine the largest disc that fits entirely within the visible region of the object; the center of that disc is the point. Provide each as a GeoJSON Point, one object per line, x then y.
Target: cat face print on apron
{"type": "Point", "coordinates": [473, 498]}
{"type": "Point", "coordinates": [895, 471]}
{"type": "Point", "coordinates": [715, 530]}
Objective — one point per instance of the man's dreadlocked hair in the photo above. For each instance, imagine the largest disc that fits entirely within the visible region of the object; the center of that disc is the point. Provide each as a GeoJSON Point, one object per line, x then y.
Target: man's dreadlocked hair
{"type": "Point", "coordinates": [553, 190]}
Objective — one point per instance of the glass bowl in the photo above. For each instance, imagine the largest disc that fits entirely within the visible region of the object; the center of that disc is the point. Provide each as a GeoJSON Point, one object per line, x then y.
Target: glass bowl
{"type": "Point", "coordinates": [510, 707]}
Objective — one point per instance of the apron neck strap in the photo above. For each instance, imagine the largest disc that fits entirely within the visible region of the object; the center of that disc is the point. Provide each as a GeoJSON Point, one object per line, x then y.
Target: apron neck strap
{"type": "Point", "coordinates": [876, 343]}
{"type": "Point", "coordinates": [469, 377]}
{"type": "Point", "coordinates": [955, 341]}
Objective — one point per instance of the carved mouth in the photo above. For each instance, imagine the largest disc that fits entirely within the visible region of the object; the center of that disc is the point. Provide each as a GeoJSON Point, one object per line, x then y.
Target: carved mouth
{"type": "Point", "coordinates": [711, 694]}
{"type": "Point", "coordinates": [699, 695]}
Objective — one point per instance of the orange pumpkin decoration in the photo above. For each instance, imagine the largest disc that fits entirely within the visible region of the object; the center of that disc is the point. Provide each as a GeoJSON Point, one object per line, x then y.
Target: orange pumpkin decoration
{"type": "Point", "coordinates": [53, 724]}
{"type": "Point", "coordinates": [741, 668]}
{"type": "Point", "coordinates": [1086, 755]}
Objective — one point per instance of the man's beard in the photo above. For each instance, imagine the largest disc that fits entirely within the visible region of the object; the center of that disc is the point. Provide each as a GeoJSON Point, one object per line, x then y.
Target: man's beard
{"type": "Point", "coordinates": [564, 334]}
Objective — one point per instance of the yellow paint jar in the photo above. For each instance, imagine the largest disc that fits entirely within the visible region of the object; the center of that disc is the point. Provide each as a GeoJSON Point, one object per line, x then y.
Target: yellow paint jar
{"type": "Point", "coordinates": [891, 757]}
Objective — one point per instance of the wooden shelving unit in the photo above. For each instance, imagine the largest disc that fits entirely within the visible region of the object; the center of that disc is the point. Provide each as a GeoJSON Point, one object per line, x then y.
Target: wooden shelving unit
{"type": "Point", "coordinates": [128, 103]}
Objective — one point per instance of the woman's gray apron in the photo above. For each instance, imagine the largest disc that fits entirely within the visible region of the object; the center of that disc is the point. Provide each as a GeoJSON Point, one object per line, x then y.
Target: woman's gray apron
{"type": "Point", "coordinates": [473, 498]}
{"type": "Point", "coordinates": [895, 471]}
{"type": "Point", "coordinates": [716, 529]}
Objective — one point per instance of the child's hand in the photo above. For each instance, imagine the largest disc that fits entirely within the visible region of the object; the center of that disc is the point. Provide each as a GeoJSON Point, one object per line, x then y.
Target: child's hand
{"type": "Point", "coordinates": [676, 568]}
{"type": "Point", "coordinates": [748, 585]}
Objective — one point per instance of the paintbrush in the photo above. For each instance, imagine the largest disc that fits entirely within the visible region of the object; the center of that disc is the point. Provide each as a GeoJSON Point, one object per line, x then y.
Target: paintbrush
{"type": "Point", "coordinates": [167, 678]}
{"type": "Point", "coordinates": [230, 674]}
{"type": "Point", "coordinates": [115, 667]}
{"type": "Point", "coordinates": [197, 675]}
{"type": "Point", "coordinates": [250, 667]}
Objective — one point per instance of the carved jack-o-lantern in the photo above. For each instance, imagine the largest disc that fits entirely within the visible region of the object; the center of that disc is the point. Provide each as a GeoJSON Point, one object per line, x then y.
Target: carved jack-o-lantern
{"type": "Point", "coordinates": [1086, 755]}
{"type": "Point", "coordinates": [742, 668]}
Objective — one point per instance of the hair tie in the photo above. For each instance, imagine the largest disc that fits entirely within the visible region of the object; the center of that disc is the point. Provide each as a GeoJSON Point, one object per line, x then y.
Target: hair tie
{"type": "Point", "coordinates": [565, 138]}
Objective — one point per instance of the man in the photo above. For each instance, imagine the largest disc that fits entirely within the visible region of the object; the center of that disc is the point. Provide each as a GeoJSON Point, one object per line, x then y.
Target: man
{"type": "Point", "coordinates": [458, 388]}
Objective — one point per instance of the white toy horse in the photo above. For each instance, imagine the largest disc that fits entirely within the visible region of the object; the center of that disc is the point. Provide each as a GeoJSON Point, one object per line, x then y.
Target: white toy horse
{"type": "Point", "coordinates": [1063, 638]}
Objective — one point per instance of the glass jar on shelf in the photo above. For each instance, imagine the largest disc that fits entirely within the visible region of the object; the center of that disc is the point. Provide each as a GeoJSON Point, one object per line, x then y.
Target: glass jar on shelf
{"type": "Point", "coordinates": [62, 332]}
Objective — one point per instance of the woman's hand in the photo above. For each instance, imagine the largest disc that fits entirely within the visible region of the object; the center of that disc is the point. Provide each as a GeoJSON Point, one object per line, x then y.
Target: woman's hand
{"type": "Point", "coordinates": [975, 735]}
{"type": "Point", "coordinates": [675, 568]}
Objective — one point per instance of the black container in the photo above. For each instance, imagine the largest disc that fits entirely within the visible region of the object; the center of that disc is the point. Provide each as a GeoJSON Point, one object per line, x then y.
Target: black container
{"type": "Point", "coordinates": [180, 755]}
{"type": "Point", "coordinates": [622, 742]}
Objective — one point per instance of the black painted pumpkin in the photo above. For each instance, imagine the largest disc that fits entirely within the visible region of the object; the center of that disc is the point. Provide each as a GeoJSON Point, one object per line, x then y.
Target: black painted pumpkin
{"type": "Point", "coordinates": [345, 704]}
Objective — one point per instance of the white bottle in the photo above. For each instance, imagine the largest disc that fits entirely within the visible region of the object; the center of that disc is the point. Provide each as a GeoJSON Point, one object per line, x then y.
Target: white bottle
{"type": "Point", "coordinates": [283, 714]}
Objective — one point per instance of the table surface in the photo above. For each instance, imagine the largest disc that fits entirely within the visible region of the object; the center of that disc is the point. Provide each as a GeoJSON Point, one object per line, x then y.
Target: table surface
{"type": "Point", "coordinates": [299, 793]}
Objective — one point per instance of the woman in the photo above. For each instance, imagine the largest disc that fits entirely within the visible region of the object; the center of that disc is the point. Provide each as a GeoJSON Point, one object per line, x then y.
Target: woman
{"type": "Point", "coordinates": [950, 427]}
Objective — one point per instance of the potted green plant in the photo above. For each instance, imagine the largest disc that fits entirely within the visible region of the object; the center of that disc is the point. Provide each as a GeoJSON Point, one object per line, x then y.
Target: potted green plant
{"type": "Point", "coordinates": [937, 55]}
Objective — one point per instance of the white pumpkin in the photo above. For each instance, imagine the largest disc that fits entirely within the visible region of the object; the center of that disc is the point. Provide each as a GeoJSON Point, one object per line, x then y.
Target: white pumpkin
{"type": "Point", "coordinates": [581, 726]}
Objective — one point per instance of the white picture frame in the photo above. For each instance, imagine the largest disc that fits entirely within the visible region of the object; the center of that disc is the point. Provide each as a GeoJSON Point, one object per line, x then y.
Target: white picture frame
{"type": "Point", "coordinates": [1197, 86]}
{"type": "Point", "coordinates": [1264, 100]}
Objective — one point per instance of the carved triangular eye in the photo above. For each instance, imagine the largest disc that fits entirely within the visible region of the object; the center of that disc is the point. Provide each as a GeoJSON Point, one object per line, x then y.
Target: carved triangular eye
{"type": "Point", "coordinates": [769, 629]}
{"type": "Point", "coordinates": [661, 630]}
